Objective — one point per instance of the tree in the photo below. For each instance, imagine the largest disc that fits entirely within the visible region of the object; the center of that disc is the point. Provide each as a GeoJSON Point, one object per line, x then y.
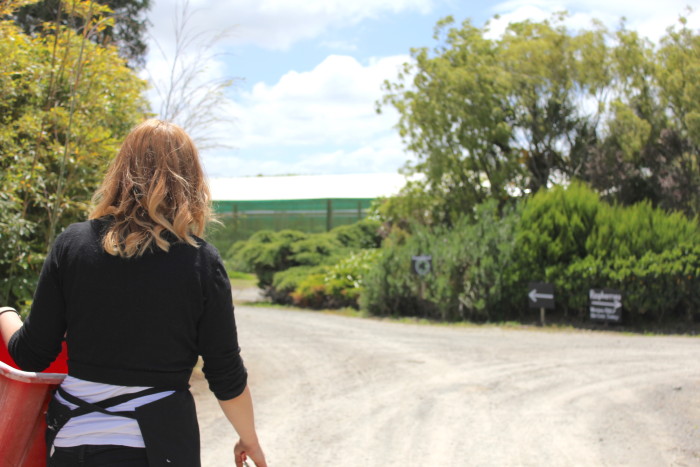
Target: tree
{"type": "Point", "coordinates": [650, 147]}
{"type": "Point", "coordinates": [488, 117]}
{"type": "Point", "coordinates": [127, 31]}
{"type": "Point", "coordinates": [188, 93]}
{"type": "Point", "coordinates": [542, 105]}
{"type": "Point", "coordinates": [67, 103]}
{"type": "Point", "coordinates": [455, 117]}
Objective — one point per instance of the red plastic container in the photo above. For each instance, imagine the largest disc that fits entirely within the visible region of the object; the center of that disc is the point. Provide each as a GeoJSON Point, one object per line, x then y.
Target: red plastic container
{"type": "Point", "coordinates": [24, 397]}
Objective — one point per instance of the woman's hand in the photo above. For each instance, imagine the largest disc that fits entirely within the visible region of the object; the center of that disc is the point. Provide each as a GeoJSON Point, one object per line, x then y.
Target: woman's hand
{"type": "Point", "coordinates": [243, 451]}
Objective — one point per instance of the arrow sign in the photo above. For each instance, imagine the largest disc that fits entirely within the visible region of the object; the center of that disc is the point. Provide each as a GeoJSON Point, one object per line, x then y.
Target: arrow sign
{"type": "Point", "coordinates": [534, 296]}
{"type": "Point", "coordinates": [541, 295]}
{"type": "Point", "coordinates": [605, 305]}
{"type": "Point", "coordinates": [615, 304]}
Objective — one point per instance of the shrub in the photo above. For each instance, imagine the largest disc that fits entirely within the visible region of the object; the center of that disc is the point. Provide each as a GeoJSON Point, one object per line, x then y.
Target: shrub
{"type": "Point", "coordinates": [281, 260]}
{"type": "Point", "coordinates": [634, 231]}
{"type": "Point", "coordinates": [472, 264]}
{"type": "Point", "coordinates": [568, 237]}
{"type": "Point", "coordinates": [655, 287]}
{"type": "Point", "coordinates": [316, 249]}
{"type": "Point", "coordinates": [360, 235]}
{"type": "Point", "coordinates": [286, 282]}
{"type": "Point", "coordinates": [553, 230]}
{"type": "Point", "coordinates": [266, 253]}
{"type": "Point", "coordinates": [337, 286]}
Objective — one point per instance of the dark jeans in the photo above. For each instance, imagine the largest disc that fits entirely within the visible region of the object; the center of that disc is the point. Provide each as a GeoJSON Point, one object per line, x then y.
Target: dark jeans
{"type": "Point", "coordinates": [99, 456]}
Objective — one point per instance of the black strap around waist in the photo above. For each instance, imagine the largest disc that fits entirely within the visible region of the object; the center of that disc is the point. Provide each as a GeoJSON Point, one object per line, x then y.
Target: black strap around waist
{"type": "Point", "coordinates": [102, 406]}
{"type": "Point", "coordinates": [58, 414]}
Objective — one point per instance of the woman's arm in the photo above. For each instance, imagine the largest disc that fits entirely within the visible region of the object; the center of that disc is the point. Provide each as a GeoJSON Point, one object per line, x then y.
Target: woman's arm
{"type": "Point", "coordinates": [10, 322]}
{"type": "Point", "coordinates": [239, 412]}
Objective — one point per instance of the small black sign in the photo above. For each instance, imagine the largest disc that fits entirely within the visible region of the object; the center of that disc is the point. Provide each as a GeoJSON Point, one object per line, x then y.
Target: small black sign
{"type": "Point", "coordinates": [540, 295]}
{"type": "Point", "coordinates": [606, 305]}
{"type": "Point", "coordinates": [422, 265]}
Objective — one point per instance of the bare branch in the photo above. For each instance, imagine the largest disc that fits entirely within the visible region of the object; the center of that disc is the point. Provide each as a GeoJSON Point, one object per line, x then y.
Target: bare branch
{"type": "Point", "coordinates": [189, 95]}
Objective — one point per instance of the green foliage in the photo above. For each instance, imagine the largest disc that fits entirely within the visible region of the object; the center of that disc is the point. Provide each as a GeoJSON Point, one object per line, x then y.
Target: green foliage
{"type": "Point", "coordinates": [648, 148]}
{"type": "Point", "coordinates": [568, 237]}
{"type": "Point", "coordinates": [285, 282]}
{"type": "Point", "coordinates": [266, 253]}
{"type": "Point", "coordinates": [471, 266]}
{"type": "Point", "coordinates": [542, 104]}
{"type": "Point", "coordinates": [337, 286]}
{"type": "Point", "coordinates": [67, 103]}
{"type": "Point", "coordinates": [655, 286]}
{"type": "Point", "coordinates": [553, 230]}
{"type": "Point", "coordinates": [127, 32]}
{"type": "Point", "coordinates": [416, 204]}
{"type": "Point", "coordinates": [489, 117]}
{"type": "Point", "coordinates": [634, 231]}
{"type": "Point", "coordinates": [285, 260]}
{"type": "Point", "coordinates": [361, 234]}
{"type": "Point", "coordinates": [323, 248]}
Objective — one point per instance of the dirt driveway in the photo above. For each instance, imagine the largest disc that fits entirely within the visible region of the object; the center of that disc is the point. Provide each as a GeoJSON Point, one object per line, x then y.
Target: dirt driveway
{"type": "Point", "coordinates": [332, 391]}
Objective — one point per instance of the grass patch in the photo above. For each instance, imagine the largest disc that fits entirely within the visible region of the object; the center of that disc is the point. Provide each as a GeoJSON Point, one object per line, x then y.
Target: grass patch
{"type": "Point", "coordinates": [241, 275]}
{"type": "Point", "coordinates": [242, 280]}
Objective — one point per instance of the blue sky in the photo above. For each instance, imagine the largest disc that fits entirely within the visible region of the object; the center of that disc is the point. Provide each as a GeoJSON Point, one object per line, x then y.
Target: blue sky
{"type": "Point", "coordinates": [310, 71]}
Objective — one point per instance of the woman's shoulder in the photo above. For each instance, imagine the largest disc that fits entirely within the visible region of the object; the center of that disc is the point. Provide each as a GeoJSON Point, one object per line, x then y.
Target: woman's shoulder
{"type": "Point", "coordinates": [80, 230]}
{"type": "Point", "coordinates": [206, 249]}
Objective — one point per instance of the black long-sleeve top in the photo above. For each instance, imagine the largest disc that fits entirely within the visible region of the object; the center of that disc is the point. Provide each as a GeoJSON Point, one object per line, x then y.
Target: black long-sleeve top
{"type": "Point", "coordinates": [133, 322]}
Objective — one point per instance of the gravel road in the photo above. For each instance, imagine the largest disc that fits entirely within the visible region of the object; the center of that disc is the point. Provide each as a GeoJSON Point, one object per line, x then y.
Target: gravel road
{"type": "Point", "coordinates": [332, 391]}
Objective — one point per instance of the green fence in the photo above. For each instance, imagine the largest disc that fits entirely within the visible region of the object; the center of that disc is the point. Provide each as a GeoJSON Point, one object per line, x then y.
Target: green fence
{"type": "Point", "coordinates": [241, 219]}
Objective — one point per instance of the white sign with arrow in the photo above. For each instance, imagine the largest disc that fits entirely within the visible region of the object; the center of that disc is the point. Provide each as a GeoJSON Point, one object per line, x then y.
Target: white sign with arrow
{"type": "Point", "coordinates": [535, 295]}
{"type": "Point", "coordinates": [606, 305]}
{"type": "Point", "coordinates": [541, 295]}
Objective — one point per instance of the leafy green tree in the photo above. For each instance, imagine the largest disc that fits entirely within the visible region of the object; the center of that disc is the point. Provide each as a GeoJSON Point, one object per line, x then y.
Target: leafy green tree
{"type": "Point", "coordinates": [492, 117]}
{"type": "Point", "coordinates": [650, 146]}
{"type": "Point", "coordinates": [67, 103]}
{"type": "Point", "coordinates": [127, 31]}
{"type": "Point", "coordinates": [541, 105]}
{"type": "Point", "coordinates": [455, 117]}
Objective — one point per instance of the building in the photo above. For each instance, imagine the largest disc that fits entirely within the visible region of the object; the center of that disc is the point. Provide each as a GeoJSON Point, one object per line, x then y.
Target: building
{"type": "Point", "coordinates": [310, 203]}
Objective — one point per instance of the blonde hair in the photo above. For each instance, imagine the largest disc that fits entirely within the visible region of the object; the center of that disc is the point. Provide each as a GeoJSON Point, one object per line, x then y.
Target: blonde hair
{"type": "Point", "coordinates": [155, 185]}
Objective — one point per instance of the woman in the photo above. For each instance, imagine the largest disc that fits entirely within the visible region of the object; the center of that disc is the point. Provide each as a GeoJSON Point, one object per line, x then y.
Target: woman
{"type": "Point", "coordinates": [138, 297]}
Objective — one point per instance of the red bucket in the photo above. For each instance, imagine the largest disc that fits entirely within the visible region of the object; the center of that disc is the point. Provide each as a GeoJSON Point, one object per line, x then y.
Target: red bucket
{"type": "Point", "coordinates": [24, 397]}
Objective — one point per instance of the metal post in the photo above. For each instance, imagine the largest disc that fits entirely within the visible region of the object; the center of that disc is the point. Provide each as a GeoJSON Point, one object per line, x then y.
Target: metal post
{"type": "Point", "coordinates": [542, 316]}
{"type": "Point", "coordinates": [329, 215]}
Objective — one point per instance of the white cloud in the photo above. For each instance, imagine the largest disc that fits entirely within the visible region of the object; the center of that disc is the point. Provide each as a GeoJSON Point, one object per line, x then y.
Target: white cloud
{"type": "Point", "coordinates": [331, 104]}
{"type": "Point", "coordinates": [648, 17]}
{"type": "Point", "coordinates": [317, 121]}
{"type": "Point", "coordinates": [383, 155]}
{"type": "Point", "coordinates": [278, 24]}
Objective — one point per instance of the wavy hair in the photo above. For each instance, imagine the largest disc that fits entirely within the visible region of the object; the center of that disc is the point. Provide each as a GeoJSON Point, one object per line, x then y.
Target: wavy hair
{"type": "Point", "coordinates": [154, 189]}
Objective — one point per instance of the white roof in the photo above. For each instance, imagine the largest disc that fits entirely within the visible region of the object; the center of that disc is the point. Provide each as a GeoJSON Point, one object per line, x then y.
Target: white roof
{"type": "Point", "coordinates": [306, 187]}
